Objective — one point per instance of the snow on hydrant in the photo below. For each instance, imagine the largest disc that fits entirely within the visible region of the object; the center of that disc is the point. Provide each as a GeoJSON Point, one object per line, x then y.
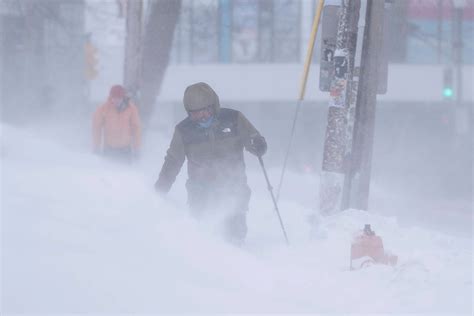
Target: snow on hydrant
{"type": "Point", "coordinates": [367, 249]}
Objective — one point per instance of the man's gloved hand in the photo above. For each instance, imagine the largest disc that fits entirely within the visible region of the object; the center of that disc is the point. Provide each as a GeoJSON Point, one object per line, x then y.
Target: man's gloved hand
{"type": "Point", "coordinates": [258, 146]}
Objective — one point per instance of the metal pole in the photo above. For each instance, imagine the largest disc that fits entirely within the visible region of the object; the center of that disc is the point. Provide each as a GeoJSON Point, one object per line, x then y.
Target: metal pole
{"type": "Point", "coordinates": [275, 204]}
{"type": "Point", "coordinates": [304, 79]}
{"type": "Point", "coordinates": [457, 47]}
{"type": "Point", "coordinates": [224, 31]}
{"type": "Point", "coordinates": [309, 52]}
{"type": "Point", "coordinates": [440, 31]}
{"type": "Point", "coordinates": [462, 112]}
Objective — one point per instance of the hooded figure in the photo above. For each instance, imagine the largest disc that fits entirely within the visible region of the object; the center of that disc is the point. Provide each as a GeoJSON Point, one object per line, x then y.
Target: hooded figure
{"type": "Point", "coordinates": [116, 126]}
{"type": "Point", "coordinates": [212, 140]}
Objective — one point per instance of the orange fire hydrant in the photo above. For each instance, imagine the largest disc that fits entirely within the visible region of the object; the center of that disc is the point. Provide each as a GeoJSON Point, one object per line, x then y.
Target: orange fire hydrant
{"type": "Point", "coordinates": [367, 248]}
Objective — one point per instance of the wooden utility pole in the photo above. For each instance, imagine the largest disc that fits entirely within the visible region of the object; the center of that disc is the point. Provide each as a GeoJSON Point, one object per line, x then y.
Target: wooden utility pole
{"type": "Point", "coordinates": [335, 145]}
{"type": "Point", "coordinates": [133, 49]}
{"type": "Point", "coordinates": [359, 170]}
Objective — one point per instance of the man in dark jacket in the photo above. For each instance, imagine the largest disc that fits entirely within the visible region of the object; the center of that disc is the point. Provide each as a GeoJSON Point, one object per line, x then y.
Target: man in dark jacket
{"type": "Point", "coordinates": [212, 140]}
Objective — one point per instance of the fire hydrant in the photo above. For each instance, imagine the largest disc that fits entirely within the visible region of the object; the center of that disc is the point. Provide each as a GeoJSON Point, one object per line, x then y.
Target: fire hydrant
{"type": "Point", "coordinates": [367, 248]}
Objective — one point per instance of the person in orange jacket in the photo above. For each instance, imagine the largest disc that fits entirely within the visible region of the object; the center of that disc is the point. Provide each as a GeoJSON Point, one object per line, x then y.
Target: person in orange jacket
{"type": "Point", "coordinates": [116, 126]}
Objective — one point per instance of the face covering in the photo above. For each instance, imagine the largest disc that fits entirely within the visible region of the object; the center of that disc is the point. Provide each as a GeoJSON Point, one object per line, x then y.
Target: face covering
{"type": "Point", "coordinates": [203, 117]}
{"type": "Point", "coordinates": [206, 123]}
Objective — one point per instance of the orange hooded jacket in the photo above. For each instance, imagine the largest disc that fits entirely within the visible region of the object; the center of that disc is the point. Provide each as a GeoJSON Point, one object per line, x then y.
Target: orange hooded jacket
{"type": "Point", "coordinates": [119, 129]}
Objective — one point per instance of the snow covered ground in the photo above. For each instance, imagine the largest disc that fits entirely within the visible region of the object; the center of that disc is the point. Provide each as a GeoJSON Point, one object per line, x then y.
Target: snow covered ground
{"type": "Point", "coordinates": [82, 235]}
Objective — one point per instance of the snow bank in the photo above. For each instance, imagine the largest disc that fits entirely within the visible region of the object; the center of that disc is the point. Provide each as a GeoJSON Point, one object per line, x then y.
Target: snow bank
{"type": "Point", "coordinates": [80, 234]}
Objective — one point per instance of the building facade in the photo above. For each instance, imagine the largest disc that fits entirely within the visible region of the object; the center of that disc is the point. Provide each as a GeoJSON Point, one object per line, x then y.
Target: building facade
{"type": "Point", "coordinates": [276, 31]}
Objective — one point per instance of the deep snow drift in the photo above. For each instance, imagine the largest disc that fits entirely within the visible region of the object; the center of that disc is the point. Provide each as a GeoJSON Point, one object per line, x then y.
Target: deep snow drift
{"type": "Point", "coordinates": [80, 234]}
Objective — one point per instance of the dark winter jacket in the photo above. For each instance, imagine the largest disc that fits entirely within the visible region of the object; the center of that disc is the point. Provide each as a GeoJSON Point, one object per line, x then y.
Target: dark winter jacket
{"type": "Point", "coordinates": [214, 154]}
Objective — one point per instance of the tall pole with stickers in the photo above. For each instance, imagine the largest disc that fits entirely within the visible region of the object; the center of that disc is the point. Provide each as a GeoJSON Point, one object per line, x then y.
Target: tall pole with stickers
{"type": "Point", "coordinates": [354, 70]}
{"type": "Point", "coordinates": [335, 144]}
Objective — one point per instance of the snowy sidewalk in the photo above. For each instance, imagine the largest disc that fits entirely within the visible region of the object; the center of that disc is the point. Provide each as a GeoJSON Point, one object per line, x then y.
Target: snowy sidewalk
{"type": "Point", "coordinates": [79, 235]}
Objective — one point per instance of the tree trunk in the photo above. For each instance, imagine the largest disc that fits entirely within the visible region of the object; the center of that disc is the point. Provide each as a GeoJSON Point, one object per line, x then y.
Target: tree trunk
{"type": "Point", "coordinates": [162, 19]}
{"type": "Point", "coordinates": [133, 44]}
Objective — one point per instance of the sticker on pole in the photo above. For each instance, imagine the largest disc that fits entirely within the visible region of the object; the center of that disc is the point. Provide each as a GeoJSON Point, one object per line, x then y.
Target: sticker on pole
{"type": "Point", "coordinates": [329, 22]}
{"type": "Point", "coordinates": [337, 92]}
